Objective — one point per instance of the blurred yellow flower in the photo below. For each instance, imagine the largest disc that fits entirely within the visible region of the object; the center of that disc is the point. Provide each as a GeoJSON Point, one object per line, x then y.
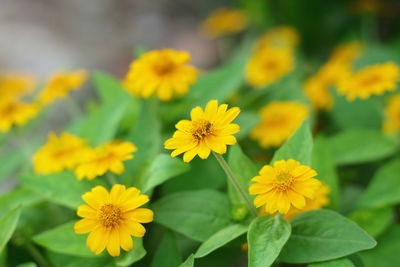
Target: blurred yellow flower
{"type": "Point", "coordinates": [59, 153]}
{"type": "Point", "coordinates": [16, 84]}
{"type": "Point", "coordinates": [269, 65]}
{"type": "Point", "coordinates": [106, 157]}
{"type": "Point", "coordinates": [112, 218]}
{"type": "Point", "coordinates": [60, 84]}
{"type": "Point", "coordinates": [161, 72]}
{"type": "Point", "coordinates": [208, 130]}
{"type": "Point", "coordinates": [279, 120]}
{"type": "Point", "coordinates": [284, 185]}
{"type": "Point", "coordinates": [224, 21]}
{"type": "Point", "coordinates": [282, 36]}
{"type": "Point", "coordinates": [371, 80]}
{"type": "Point", "coordinates": [15, 112]}
{"type": "Point", "coordinates": [347, 53]}
{"type": "Point", "coordinates": [392, 113]}
{"type": "Point", "coordinates": [317, 87]}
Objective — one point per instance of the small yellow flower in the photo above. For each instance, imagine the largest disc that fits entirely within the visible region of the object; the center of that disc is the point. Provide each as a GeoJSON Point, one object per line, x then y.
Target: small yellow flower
{"type": "Point", "coordinates": [59, 153]}
{"type": "Point", "coordinates": [371, 80]}
{"type": "Point", "coordinates": [284, 185]}
{"type": "Point", "coordinates": [161, 72]}
{"type": "Point", "coordinates": [392, 112]}
{"type": "Point", "coordinates": [224, 21]}
{"type": "Point", "coordinates": [112, 218]}
{"type": "Point", "coordinates": [14, 112]}
{"type": "Point", "coordinates": [269, 65]}
{"type": "Point", "coordinates": [208, 130]}
{"type": "Point", "coordinates": [16, 84]}
{"type": "Point", "coordinates": [282, 36]}
{"type": "Point", "coordinates": [279, 120]}
{"type": "Point", "coordinates": [60, 84]}
{"type": "Point", "coordinates": [317, 86]}
{"type": "Point", "coordinates": [347, 53]}
{"type": "Point", "coordinates": [106, 157]}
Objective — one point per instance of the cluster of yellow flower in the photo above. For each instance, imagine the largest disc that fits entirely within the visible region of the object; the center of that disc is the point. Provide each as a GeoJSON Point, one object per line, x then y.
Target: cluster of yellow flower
{"type": "Point", "coordinates": [14, 110]}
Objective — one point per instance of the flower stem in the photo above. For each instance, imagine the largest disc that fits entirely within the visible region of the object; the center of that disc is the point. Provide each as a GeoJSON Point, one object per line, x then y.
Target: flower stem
{"type": "Point", "coordinates": [232, 178]}
{"type": "Point", "coordinates": [35, 253]}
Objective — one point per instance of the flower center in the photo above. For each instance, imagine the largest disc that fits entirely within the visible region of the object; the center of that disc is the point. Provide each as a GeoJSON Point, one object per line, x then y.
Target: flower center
{"type": "Point", "coordinates": [284, 177]}
{"type": "Point", "coordinates": [283, 181]}
{"type": "Point", "coordinates": [9, 110]}
{"type": "Point", "coordinates": [110, 215]}
{"type": "Point", "coordinates": [374, 79]}
{"type": "Point", "coordinates": [271, 65]}
{"type": "Point", "coordinates": [164, 67]}
{"type": "Point", "coordinates": [201, 129]}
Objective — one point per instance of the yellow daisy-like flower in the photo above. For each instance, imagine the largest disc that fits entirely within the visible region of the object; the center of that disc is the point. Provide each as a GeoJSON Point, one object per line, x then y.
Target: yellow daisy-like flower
{"type": "Point", "coordinates": [16, 84]}
{"type": "Point", "coordinates": [106, 157]}
{"type": "Point", "coordinates": [60, 84]}
{"type": "Point", "coordinates": [208, 130]}
{"type": "Point", "coordinates": [59, 153]}
{"type": "Point", "coordinates": [224, 21]}
{"type": "Point", "coordinates": [269, 65]}
{"type": "Point", "coordinates": [14, 112]}
{"type": "Point", "coordinates": [279, 120]}
{"type": "Point", "coordinates": [112, 218]}
{"type": "Point", "coordinates": [347, 53]}
{"type": "Point", "coordinates": [161, 72]}
{"type": "Point", "coordinates": [392, 112]}
{"type": "Point", "coordinates": [284, 185]}
{"type": "Point", "coordinates": [317, 86]}
{"type": "Point", "coordinates": [371, 80]}
{"type": "Point", "coordinates": [282, 36]}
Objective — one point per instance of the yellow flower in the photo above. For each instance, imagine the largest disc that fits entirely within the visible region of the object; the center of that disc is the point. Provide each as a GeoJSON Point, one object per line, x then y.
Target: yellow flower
{"type": "Point", "coordinates": [346, 53]}
{"type": "Point", "coordinates": [112, 218]}
{"type": "Point", "coordinates": [317, 86]}
{"type": "Point", "coordinates": [224, 21]}
{"type": "Point", "coordinates": [269, 65]}
{"type": "Point", "coordinates": [60, 84]}
{"type": "Point", "coordinates": [287, 184]}
{"type": "Point", "coordinates": [279, 120]}
{"type": "Point", "coordinates": [392, 112]}
{"type": "Point", "coordinates": [59, 153]}
{"type": "Point", "coordinates": [282, 36]}
{"type": "Point", "coordinates": [106, 157]}
{"type": "Point", "coordinates": [161, 72]}
{"type": "Point", "coordinates": [15, 112]}
{"type": "Point", "coordinates": [16, 85]}
{"type": "Point", "coordinates": [208, 130]}
{"type": "Point", "coordinates": [371, 80]}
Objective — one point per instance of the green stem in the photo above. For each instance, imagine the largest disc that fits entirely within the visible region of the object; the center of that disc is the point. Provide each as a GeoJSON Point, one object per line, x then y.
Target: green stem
{"type": "Point", "coordinates": [35, 253]}
{"type": "Point", "coordinates": [111, 179]}
{"type": "Point", "coordinates": [232, 178]}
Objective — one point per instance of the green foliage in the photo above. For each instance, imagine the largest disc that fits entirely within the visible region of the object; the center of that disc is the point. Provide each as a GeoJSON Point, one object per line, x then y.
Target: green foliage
{"type": "Point", "coordinates": [361, 145]}
{"type": "Point", "coordinates": [267, 235]}
{"type": "Point", "coordinates": [298, 147]}
{"type": "Point", "coordinates": [167, 254]}
{"type": "Point", "coordinates": [18, 197]}
{"type": "Point", "coordinates": [322, 235]}
{"type": "Point", "coordinates": [374, 221]}
{"type": "Point", "coordinates": [8, 223]}
{"type": "Point", "coordinates": [130, 257]}
{"type": "Point", "coordinates": [188, 212]}
{"type": "Point", "coordinates": [189, 262]}
{"type": "Point", "coordinates": [344, 262]}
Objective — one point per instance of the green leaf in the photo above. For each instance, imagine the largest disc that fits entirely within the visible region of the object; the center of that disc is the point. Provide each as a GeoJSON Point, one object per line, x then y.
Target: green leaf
{"type": "Point", "coordinates": [130, 257]}
{"type": "Point", "coordinates": [27, 264]}
{"type": "Point", "coordinates": [361, 145]}
{"type": "Point", "coordinates": [163, 167]}
{"type": "Point", "coordinates": [53, 187]}
{"type": "Point", "coordinates": [10, 162]}
{"type": "Point", "coordinates": [267, 235]}
{"type": "Point", "coordinates": [64, 260]}
{"type": "Point", "coordinates": [322, 235]}
{"type": "Point", "coordinates": [373, 221]}
{"type": "Point", "coordinates": [18, 197]}
{"type": "Point", "coordinates": [386, 253]}
{"type": "Point", "coordinates": [189, 262]}
{"type": "Point", "coordinates": [298, 147]}
{"type": "Point", "coordinates": [167, 254]}
{"type": "Point", "coordinates": [108, 87]}
{"type": "Point", "coordinates": [243, 168]}
{"type": "Point", "coordinates": [344, 262]}
{"type": "Point", "coordinates": [220, 239]}
{"type": "Point", "coordinates": [63, 239]}
{"type": "Point", "coordinates": [8, 223]}
{"type": "Point", "coordinates": [247, 120]}
{"type": "Point", "coordinates": [196, 214]}
{"type": "Point", "coordinates": [384, 188]}
{"type": "Point", "coordinates": [322, 162]}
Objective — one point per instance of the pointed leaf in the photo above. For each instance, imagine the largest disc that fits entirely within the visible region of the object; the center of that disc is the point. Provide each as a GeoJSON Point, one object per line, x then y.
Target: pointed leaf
{"type": "Point", "coordinates": [8, 223]}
